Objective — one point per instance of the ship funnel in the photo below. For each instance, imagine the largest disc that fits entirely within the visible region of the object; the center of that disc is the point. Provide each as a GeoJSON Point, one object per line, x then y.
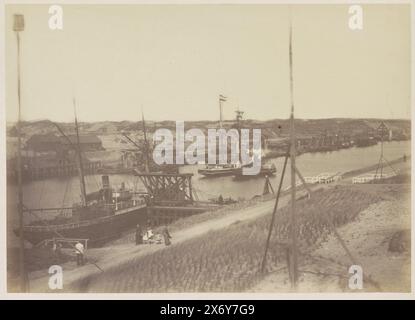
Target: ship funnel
{"type": "Point", "coordinates": [105, 182]}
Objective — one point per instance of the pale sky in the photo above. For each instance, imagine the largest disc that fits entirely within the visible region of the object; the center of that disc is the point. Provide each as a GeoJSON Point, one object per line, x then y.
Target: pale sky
{"type": "Point", "coordinates": [175, 60]}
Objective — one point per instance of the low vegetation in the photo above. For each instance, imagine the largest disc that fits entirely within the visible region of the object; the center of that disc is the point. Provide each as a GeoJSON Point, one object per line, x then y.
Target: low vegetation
{"type": "Point", "coordinates": [228, 260]}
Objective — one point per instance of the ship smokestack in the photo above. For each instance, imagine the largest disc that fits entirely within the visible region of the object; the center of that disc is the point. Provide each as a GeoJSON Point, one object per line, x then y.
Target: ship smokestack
{"type": "Point", "coordinates": [106, 189]}
{"type": "Point", "coordinates": [105, 182]}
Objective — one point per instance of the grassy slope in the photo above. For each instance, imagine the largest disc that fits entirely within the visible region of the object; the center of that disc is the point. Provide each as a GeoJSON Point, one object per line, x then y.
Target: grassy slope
{"type": "Point", "coordinates": [228, 260]}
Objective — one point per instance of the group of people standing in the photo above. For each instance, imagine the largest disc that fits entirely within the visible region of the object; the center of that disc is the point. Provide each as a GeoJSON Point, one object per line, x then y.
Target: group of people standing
{"type": "Point", "coordinates": [142, 236]}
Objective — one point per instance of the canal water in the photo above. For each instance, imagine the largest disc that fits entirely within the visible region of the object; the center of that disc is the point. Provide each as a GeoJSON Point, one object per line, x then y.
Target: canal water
{"type": "Point", "coordinates": [63, 192]}
{"type": "Point", "coordinates": [309, 164]}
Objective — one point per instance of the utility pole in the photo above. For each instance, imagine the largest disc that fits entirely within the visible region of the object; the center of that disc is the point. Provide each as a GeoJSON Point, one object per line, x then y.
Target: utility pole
{"type": "Point", "coordinates": [293, 231]}
{"type": "Point", "coordinates": [291, 153]}
{"type": "Point", "coordinates": [381, 152]}
{"type": "Point", "coordinates": [274, 212]}
{"type": "Point", "coordinates": [17, 27]}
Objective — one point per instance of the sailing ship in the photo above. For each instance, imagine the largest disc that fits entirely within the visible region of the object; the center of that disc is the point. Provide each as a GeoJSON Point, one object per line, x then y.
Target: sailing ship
{"type": "Point", "coordinates": [99, 217]}
{"type": "Point", "coordinates": [218, 170]}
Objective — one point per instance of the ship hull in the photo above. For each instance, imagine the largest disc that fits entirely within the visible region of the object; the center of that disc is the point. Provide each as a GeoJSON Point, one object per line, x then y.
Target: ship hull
{"type": "Point", "coordinates": [97, 231]}
{"type": "Point", "coordinates": [217, 173]}
{"type": "Point", "coordinates": [264, 172]}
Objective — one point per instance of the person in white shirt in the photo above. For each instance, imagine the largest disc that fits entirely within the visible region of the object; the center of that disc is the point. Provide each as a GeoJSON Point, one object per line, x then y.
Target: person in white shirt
{"type": "Point", "coordinates": [148, 236]}
{"type": "Point", "coordinates": [79, 250]}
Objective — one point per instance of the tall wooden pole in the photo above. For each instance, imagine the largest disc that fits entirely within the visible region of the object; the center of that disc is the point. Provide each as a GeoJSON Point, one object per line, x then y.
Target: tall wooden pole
{"type": "Point", "coordinates": [293, 231]}
{"type": "Point", "coordinates": [146, 146]}
{"type": "Point", "coordinates": [381, 155]}
{"type": "Point", "coordinates": [19, 26]}
{"type": "Point", "coordinates": [274, 212]}
{"type": "Point", "coordinates": [81, 166]}
{"type": "Point", "coordinates": [238, 128]}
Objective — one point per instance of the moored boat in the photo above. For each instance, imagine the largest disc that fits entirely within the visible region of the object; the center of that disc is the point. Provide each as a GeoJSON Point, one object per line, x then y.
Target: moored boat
{"type": "Point", "coordinates": [268, 169]}
{"type": "Point", "coordinates": [219, 170]}
{"type": "Point", "coordinates": [98, 217]}
{"type": "Point", "coordinates": [106, 215]}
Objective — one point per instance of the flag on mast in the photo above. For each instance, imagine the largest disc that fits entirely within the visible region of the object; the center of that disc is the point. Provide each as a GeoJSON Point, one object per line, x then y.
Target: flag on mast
{"type": "Point", "coordinates": [222, 98]}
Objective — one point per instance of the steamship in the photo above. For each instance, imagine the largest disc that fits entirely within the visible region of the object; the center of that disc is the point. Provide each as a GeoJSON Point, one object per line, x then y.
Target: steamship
{"type": "Point", "coordinates": [105, 215]}
{"type": "Point", "coordinates": [100, 216]}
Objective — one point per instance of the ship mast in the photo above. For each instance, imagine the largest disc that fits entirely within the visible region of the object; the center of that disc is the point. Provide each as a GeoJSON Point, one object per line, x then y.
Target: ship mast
{"type": "Point", "coordinates": [80, 165]}
{"type": "Point", "coordinates": [146, 147]}
{"type": "Point", "coordinates": [222, 98]}
{"type": "Point", "coordinates": [239, 115]}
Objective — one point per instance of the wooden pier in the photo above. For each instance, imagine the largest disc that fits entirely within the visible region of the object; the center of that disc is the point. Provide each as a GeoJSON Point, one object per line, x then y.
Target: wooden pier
{"type": "Point", "coordinates": [170, 197]}
{"type": "Point", "coordinates": [367, 178]}
{"type": "Point", "coordinates": [323, 178]}
{"type": "Point", "coordinates": [35, 173]}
